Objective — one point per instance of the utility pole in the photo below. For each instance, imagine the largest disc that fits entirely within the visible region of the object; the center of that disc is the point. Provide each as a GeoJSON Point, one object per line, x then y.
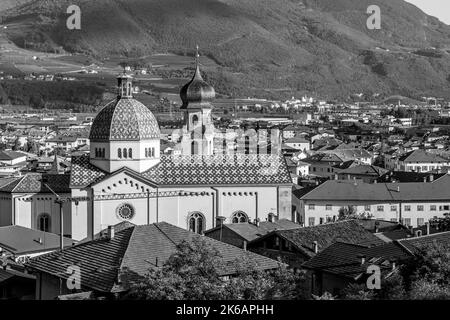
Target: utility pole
{"type": "Point", "coordinates": [59, 201]}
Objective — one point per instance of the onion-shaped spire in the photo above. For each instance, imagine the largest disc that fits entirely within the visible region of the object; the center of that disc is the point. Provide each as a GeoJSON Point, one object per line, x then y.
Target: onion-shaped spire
{"type": "Point", "coordinates": [197, 91]}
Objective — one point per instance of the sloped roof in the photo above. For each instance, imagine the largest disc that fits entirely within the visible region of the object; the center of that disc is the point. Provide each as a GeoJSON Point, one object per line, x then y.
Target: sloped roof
{"type": "Point", "coordinates": [20, 240]}
{"type": "Point", "coordinates": [33, 183]}
{"type": "Point", "coordinates": [250, 232]}
{"type": "Point", "coordinates": [11, 155]}
{"type": "Point", "coordinates": [99, 261]}
{"type": "Point", "coordinates": [344, 258]}
{"type": "Point", "coordinates": [405, 176]}
{"type": "Point", "coordinates": [134, 250]}
{"type": "Point", "coordinates": [364, 169]}
{"type": "Point", "coordinates": [349, 231]}
{"type": "Point", "coordinates": [413, 243]}
{"type": "Point", "coordinates": [422, 156]}
{"type": "Point", "coordinates": [240, 169]}
{"type": "Point", "coordinates": [351, 191]}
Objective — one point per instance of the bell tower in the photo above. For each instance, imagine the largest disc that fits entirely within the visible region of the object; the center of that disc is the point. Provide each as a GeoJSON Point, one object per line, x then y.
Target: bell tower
{"type": "Point", "coordinates": [198, 128]}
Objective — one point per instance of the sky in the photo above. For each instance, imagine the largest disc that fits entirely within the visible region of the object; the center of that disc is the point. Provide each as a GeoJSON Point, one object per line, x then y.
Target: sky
{"type": "Point", "coordinates": [437, 8]}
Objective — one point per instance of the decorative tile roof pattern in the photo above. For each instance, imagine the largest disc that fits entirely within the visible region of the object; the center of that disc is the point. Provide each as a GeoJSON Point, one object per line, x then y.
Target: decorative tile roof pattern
{"type": "Point", "coordinates": [103, 261]}
{"type": "Point", "coordinates": [124, 120]}
{"type": "Point", "coordinates": [83, 173]}
{"type": "Point", "coordinates": [220, 170]}
{"type": "Point", "coordinates": [33, 183]}
{"type": "Point", "coordinates": [198, 170]}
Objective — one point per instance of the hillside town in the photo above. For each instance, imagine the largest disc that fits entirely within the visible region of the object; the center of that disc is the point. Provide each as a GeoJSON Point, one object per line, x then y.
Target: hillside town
{"type": "Point", "coordinates": [326, 190]}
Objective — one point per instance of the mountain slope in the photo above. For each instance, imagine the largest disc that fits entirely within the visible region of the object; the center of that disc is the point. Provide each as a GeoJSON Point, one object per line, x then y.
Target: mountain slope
{"type": "Point", "coordinates": [262, 46]}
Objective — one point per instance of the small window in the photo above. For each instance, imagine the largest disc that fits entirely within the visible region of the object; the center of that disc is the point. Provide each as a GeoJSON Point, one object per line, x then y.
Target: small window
{"type": "Point", "coordinates": [433, 208]}
{"type": "Point", "coordinates": [196, 222]}
{"type": "Point", "coordinates": [44, 222]}
{"type": "Point", "coordinates": [407, 221]}
{"type": "Point", "coordinates": [393, 208]}
{"type": "Point", "coordinates": [311, 221]}
{"type": "Point", "coordinates": [329, 207]}
{"type": "Point", "coordinates": [407, 208]}
{"type": "Point", "coordinates": [420, 222]}
{"type": "Point", "coordinates": [367, 208]}
{"type": "Point", "coordinates": [239, 217]}
{"type": "Point", "coordinates": [420, 208]}
{"type": "Point", "coordinates": [312, 207]}
{"type": "Point", "coordinates": [380, 208]}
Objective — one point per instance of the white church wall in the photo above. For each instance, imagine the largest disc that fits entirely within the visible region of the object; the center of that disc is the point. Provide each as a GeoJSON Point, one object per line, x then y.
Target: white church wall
{"type": "Point", "coordinates": [79, 217]}
{"type": "Point", "coordinates": [30, 207]}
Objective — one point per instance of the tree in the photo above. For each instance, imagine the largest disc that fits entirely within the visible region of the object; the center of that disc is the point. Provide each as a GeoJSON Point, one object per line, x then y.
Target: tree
{"type": "Point", "coordinates": [193, 273]}
{"type": "Point", "coordinates": [426, 276]}
{"type": "Point", "coordinates": [348, 212]}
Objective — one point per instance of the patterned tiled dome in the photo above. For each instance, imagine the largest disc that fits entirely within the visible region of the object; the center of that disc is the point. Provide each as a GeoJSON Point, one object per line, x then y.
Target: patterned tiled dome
{"type": "Point", "coordinates": [124, 120]}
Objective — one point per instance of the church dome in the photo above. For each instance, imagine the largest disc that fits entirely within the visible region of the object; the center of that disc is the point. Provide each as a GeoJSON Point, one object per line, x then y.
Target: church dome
{"type": "Point", "coordinates": [196, 91]}
{"type": "Point", "coordinates": [124, 119]}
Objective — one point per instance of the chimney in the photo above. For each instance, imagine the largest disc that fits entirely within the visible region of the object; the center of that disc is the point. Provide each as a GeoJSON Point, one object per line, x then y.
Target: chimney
{"type": "Point", "coordinates": [363, 258]}
{"type": "Point", "coordinates": [377, 224]}
{"type": "Point", "coordinates": [244, 245]}
{"type": "Point", "coordinates": [393, 265]}
{"type": "Point", "coordinates": [110, 232]}
{"type": "Point", "coordinates": [315, 246]}
{"type": "Point", "coordinates": [219, 221]}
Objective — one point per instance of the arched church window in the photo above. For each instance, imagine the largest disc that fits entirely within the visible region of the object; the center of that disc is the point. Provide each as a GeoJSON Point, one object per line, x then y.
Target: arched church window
{"type": "Point", "coordinates": [146, 152]}
{"type": "Point", "coordinates": [196, 222]}
{"type": "Point", "coordinates": [130, 153]}
{"type": "Point", "coordinates": [104, 153]}
{"type": "Point", "coordinates": [194, 147]}
{"type": "Point", "coordinates": [153, 152]}
{"type": "Point", "coordinates": [44, 222]}
{"type": "Point", "coordinates": [119, 153]}
{"type": "Point", "coordinates": [129, 88]}
{"type": "Point", "coordinates": [239, 217]}
{"type": "Point", "coordinates": [96, 152]}
{"type": "Point", "coordinates": [194, 120]}
{"type": "Point", "coordinates": [125, 211]}
{"type": "Point", "coordinates": [124, 152]}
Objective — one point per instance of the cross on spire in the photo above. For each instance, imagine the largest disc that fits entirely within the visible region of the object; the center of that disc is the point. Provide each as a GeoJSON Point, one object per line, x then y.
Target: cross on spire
{"type": "Point", "coordinates": [197, 56]}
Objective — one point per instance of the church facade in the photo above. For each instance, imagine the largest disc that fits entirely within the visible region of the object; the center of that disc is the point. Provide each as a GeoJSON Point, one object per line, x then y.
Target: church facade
{"type": "Point", "coordinates": [125, 178]}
